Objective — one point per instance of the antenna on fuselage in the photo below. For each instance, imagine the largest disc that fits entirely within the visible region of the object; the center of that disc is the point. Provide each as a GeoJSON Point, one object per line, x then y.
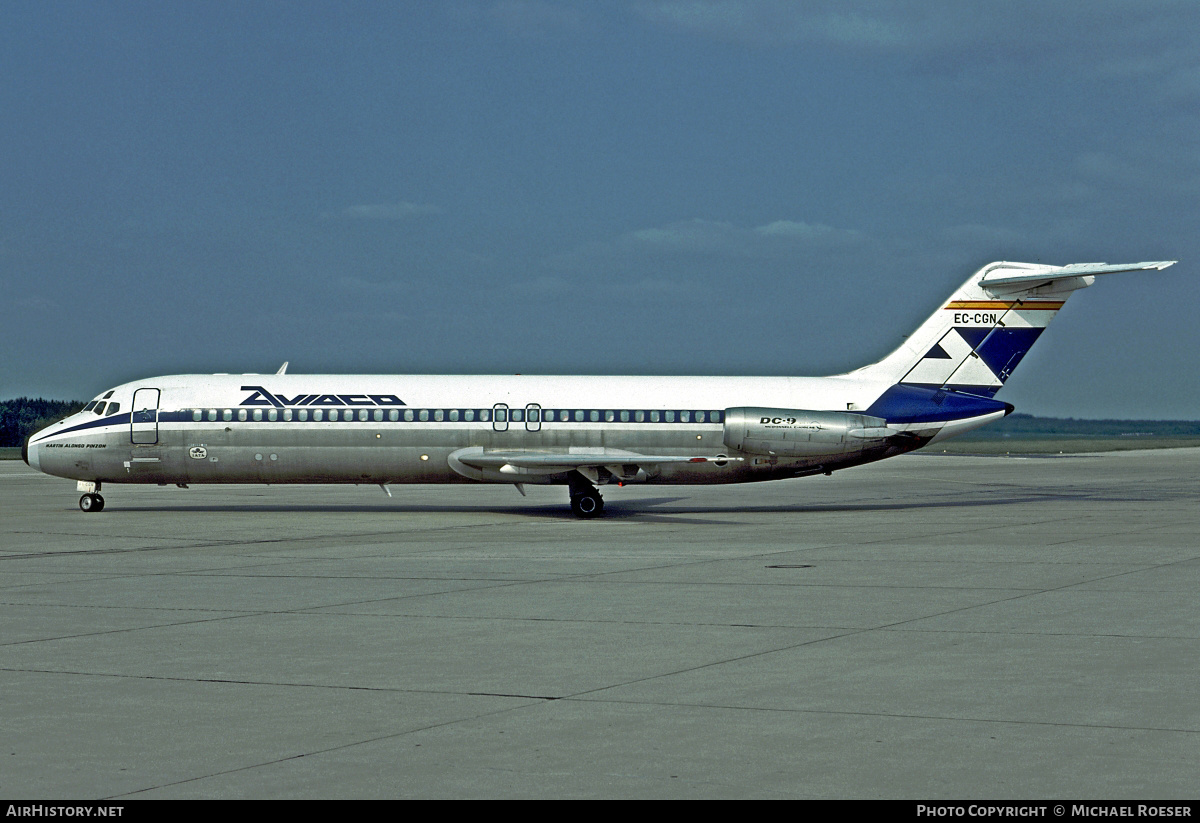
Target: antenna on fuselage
{"type": "Point", "coordinates": [282, 368]}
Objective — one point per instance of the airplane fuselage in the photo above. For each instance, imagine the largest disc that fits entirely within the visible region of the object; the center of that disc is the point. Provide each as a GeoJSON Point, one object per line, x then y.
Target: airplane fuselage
{"type": "Point", "coordinates": [408, 429]}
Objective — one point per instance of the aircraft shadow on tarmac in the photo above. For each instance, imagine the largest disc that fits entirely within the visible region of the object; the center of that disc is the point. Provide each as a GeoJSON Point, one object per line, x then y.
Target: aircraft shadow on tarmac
{"type": "Point", "coordinates": [648, 509]}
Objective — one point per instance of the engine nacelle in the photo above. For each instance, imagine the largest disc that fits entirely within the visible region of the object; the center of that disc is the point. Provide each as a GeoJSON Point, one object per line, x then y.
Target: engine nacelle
{"type": "Point", "coordinates": [802, 433]}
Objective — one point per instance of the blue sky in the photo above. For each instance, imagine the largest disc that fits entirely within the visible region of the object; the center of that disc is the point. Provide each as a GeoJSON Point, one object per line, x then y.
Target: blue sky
{"type": "Point", "coordinates": [685, 187]}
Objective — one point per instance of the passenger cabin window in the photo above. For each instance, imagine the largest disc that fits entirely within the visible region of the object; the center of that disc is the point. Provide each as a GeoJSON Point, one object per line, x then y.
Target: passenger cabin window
{"type": "Point", "coordinates": [469, 415]}
{"type": "Point", "coordinates": [273, 415]}
{"type": "Point", "coordinates": [196, 415]}
{"type": "Point", "coordinates": [227, 414]}
{"type": "Point", "coordinates": [304, 415]}
{"type": "Point", "coordinates": [242, 415]}
{"type": "Point", "coordinates": [287, 414]}
{"type": "Point", "coordinates": [654, 416]}
{"type": "Point", "coordinates": [393, 415]}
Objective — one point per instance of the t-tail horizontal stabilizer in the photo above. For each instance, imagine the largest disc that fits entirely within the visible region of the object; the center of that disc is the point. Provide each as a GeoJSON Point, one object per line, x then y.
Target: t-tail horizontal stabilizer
{"type": "Point", "coordinates": [1005, 278]}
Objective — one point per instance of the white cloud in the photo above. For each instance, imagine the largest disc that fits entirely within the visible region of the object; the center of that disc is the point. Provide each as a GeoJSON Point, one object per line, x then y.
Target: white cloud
{"type": "Point", "coordinates": [804, 231]}
{"type": "Point", "coordinates": [1134, 39]}
{"type": "Point", "coordinates": [774, 22]}
{"type": "Point", "coordinates": [723, 237]}
{"type": "Point", "coordinates": [639, 258]}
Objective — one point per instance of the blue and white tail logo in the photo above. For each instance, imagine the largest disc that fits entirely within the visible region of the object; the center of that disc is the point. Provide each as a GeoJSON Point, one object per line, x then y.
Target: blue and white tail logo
{"type": "Point", "coordinates": [979, 336]}
{"type": "Point", "coordinates": [985, 342]}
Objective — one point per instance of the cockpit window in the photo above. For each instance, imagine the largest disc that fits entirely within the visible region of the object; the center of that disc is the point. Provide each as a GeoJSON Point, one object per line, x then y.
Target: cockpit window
{"type": "Point", "coordinates": [110, 394]}
{"type": "Point", "coordinates": [90, 406]}
{"type": "Point", "coordinates": [113, 408]}
{"type": "Point", "coordinates": [100, 408]}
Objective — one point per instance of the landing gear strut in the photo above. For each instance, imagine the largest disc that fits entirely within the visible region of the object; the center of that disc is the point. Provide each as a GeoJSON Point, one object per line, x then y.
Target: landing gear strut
{"type": "Point", "coordinates": [586, 501]}
{"type": "Point", "coordinates": [91, 503]}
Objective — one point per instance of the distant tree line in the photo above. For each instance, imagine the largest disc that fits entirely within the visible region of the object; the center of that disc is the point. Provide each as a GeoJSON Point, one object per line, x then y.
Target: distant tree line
{"type": "Point", "coordinates": [1026, 425]}
{"type": "Point", "coordinates": [23, 416]}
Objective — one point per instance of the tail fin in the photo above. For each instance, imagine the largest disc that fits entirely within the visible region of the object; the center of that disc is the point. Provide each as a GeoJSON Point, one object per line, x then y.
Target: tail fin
{"type": "Point", "coordinates": [975, 339]}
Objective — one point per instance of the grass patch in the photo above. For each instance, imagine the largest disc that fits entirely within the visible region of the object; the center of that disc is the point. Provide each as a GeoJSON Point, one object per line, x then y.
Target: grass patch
{"type": "Point", "coordinates": [1030, 444]}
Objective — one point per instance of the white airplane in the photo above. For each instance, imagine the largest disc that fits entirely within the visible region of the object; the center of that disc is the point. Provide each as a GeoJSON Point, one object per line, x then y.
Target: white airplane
{"type": "Point", "coordinates": [579, 432]}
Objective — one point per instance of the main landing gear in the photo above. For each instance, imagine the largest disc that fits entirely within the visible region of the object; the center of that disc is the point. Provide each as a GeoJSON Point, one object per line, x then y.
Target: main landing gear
{"type": "Point", "coordinates": [91, 503]}
{"type": "Point", "coordinates": [586, 501]}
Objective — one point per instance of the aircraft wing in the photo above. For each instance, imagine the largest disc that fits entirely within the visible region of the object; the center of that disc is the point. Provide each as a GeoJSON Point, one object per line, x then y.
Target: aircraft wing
{"type": "Point", "coordinates": [1019, 277]}
{"type": "Point", "coordinates": [566, 460]}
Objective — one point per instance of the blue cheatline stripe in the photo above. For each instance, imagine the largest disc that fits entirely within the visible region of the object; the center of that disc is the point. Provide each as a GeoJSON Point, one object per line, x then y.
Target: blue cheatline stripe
{"type": "Point", "coordinates": [905, 403]}
{"type": "Point", "coordinates": [119, 419]}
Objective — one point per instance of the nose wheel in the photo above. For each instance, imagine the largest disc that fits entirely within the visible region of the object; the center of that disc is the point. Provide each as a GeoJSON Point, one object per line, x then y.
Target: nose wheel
{"type": "Point", "coordinates": [91, 503]}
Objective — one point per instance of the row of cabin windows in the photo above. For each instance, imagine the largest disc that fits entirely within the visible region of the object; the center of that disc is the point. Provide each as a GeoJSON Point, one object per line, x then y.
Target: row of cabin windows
{"type": "Point", "coordinates": [535, 415]}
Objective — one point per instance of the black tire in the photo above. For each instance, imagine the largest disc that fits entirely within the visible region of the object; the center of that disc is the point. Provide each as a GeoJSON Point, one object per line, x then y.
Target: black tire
{"type": "Point", "coordinates": [91, 503]}
{"type": "Point", "coordinates": [587, 505]}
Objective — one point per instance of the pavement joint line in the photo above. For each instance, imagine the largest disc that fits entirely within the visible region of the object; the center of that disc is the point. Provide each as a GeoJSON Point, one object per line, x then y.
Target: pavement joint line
{"type": "Point", "coordinates": [316, 752]}
{"type": "Point", "coordinates": [129, 629]}
{"type": "Point", "coordinates": [837, 637]}
{"type": "Point", "coordinates": [896, 715]}
{"type": "Point", "coordinates": [230, 681]}
{"type": "Point", "coordinates": [582, 697]}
